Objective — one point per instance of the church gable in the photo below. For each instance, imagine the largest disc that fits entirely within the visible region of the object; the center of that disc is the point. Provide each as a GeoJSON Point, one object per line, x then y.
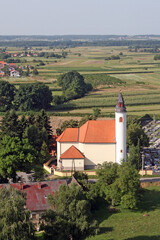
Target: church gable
{"type": "Point", "coordinates": [72, 153]}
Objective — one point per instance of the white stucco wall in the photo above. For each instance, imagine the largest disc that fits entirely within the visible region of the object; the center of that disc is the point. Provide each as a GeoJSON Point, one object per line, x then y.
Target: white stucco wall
{"type": "Point", "coordinates": [72, 164]}
{"type": "Point", "coordinates": [62, 147]}
{"type": "Point", "coordinates": [97, 153]}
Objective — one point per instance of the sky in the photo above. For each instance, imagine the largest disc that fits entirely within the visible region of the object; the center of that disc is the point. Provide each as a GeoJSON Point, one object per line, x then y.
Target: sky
{"type": "Point", "coordinates": [73, 17]}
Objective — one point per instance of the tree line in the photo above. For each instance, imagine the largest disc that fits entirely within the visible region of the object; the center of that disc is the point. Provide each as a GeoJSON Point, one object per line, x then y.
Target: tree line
{"type": "Point", "coordinates": [27, 97]}
{"type": "Point", "coordinates": [36, 96]}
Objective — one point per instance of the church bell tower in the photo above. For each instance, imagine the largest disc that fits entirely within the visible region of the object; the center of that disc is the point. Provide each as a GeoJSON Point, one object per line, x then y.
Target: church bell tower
{"type": "Point", "coordinates": [121, 122]}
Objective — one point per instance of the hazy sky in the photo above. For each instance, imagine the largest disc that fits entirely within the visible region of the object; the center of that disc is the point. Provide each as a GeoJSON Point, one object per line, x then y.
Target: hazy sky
{"type": "Point", "coordinates": [58, 17]}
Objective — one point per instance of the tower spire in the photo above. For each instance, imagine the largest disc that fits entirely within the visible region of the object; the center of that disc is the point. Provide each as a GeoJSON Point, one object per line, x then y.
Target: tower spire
{"type": "Point", "coordinates": [120, 107]}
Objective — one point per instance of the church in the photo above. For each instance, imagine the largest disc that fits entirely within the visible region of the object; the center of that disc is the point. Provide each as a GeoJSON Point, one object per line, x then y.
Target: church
{"type": "Point", "coordinates": [95, 142]}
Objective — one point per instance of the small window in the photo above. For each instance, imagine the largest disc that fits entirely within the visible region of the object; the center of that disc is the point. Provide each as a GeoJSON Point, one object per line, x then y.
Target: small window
{"type": "Point", "coordinates": [120, 119]}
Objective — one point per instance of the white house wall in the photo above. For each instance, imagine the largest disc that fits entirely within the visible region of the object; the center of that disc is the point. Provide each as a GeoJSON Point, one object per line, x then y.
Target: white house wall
{"type": "Point", "coordinates": [97, 153]}
{"type": "Point", "coordinates": [62, 147]}
{"type": "Point", "coordinates": [72, 164]}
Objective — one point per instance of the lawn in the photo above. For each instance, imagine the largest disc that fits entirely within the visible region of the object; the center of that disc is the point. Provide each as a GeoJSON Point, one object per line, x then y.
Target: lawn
{"type": "Point", "coordinates": [131, 225]}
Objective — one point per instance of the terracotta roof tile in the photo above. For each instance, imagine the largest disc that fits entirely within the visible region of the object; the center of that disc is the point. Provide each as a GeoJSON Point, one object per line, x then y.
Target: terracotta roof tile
{"type": "Point", "coordinates": [72, 152]}
{"type": "Point", "coordinates": [37, 192]}
{"type": "Point", "coordinates": [69, 135]}
{"type": "Point", "coordinates": [98, 131]}
{"type": "Point", "coordinates": [93, 131]}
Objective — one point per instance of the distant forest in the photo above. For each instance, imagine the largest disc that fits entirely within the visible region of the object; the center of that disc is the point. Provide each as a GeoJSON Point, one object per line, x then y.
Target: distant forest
{"type": "Point", "coordinates": [64, 41]}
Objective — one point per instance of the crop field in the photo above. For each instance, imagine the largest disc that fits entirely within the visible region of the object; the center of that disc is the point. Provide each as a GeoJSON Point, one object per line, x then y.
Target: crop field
{"type": "Point", "coordinates": [136, 74]}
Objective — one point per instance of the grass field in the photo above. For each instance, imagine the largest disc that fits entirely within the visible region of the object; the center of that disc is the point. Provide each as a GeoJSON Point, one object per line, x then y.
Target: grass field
{"type": "Point", "coordinates": [132, 225]}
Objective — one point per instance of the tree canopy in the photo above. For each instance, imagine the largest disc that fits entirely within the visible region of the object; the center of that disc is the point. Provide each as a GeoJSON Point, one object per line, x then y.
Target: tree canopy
{"type": "Point", "coordinates": [7, 92]}
{"type": "Point", "coordinates": [119, 184]}
{"type": "Point", "coordinates": [14, 219]}
{"type": "Point", "coordinates": [73, 209]}
{"type": "Point", "coordinates": [73, 85]}
{"type": "Point", "coordinates": [33, 97]}
{"type": "Point", "coordinates": [24, 144]}
{"type": "Point", "coordinates": [16, 155]}
{"type": "Point", "coordinates": [135, 133]}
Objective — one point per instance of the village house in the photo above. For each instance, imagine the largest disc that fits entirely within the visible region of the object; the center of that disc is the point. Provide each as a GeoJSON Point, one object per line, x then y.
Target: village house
{"type": "Point", "coordinates": [14, 73]}
{"type": "Point", "coordinates": [37, 194]}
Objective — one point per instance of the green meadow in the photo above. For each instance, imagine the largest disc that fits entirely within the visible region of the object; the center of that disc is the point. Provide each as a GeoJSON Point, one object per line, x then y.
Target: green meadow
{"type": "Point", "coordinates": [141, 224]}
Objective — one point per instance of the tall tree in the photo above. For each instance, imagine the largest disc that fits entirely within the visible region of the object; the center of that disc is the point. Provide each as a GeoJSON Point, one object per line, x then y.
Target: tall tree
{"type": "Point", "coordinates": [73, 85]}
{"type": "Point", "coordinates": [15, 155]}
{"type": "Point", "coordinates": [135, 132]}
{"type": "Point", "coordinates": [129, 184]}
{"type": "Point", "coordinates": [10, 124]}
{"type": "Point", "coordinates": [71, 205]}
{"type": "Point", "coordinates": [119, 184]}
{"type": "Point", "coordinates": [14, 219]}
{"type": "Point", "coordinates": [135, 156]}
{"type": "Point", "coordinates": [7, 92]}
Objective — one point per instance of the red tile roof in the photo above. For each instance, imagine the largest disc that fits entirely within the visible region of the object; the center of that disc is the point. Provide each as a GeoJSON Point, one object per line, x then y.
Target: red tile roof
{"type": "Point", "coordinates": [37, 192]}
{"type": "Point", "coordinates": [93, 131]}
{"type": "Point", "coordinates": [72, 152]}
{"type": "Point", "coordinates": [98, 131]}
{"type": "Point", "coordinates": [69, 135]}
{"type": "Point", "coordinates": [2, 62]}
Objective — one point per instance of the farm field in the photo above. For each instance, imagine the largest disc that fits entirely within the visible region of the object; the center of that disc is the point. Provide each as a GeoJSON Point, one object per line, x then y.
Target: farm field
{"type": "Point", "coordinates": [132, 225]}
{"type": "Point", "coordinates": [136, 74]}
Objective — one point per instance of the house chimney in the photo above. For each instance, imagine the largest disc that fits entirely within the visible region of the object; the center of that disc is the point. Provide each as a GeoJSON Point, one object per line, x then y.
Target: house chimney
{"type": "Point", "coordinates": [39, 185]}
{"type": "Point", "coordinates": [20, 186]}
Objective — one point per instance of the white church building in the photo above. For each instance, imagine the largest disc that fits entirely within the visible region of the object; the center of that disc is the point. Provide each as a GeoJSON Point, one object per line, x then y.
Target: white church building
{"type": "Point", "coordinates": [95, 142]}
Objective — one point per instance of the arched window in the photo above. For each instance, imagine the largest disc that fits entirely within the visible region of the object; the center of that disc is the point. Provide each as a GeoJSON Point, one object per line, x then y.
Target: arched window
{"type": "Point", "coordinates": [121, 119]}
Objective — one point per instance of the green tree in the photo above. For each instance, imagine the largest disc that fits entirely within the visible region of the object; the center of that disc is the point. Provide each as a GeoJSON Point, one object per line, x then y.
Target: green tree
{"type": "Point", "coordinates": [69, 124]}
{"type": "Point", "coordinates": [82, 179]}
{"type": "Point", "coordinates": [7, 92]}
{"type": "Point", "coordinates": [56, 227]}
{"type": "Point", "coordinates": [134, 134]}
{"type": "Point", "coordinates": [71, 205]}
{"type": "Point", "coordinates": [33, 97]}
{"type": "Point", "coordinates": [73, 85]}
{"type": "Point", "coordinates": [14, 219]}
{"type": "Point", "coordinates": [129, 185]}
{"type": "Point", "coordinates": [45, 156]}
{"type": "Point", "coordinates": [10, 124]}
{"type": "Point", "coordinates": [15, 155]}
{"type": "Point", "coordinates": [135, 156]}
{"type": "Point", "coordinates": [119, 184]}
{"type": "Point", "coordinates": [35, 71]}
